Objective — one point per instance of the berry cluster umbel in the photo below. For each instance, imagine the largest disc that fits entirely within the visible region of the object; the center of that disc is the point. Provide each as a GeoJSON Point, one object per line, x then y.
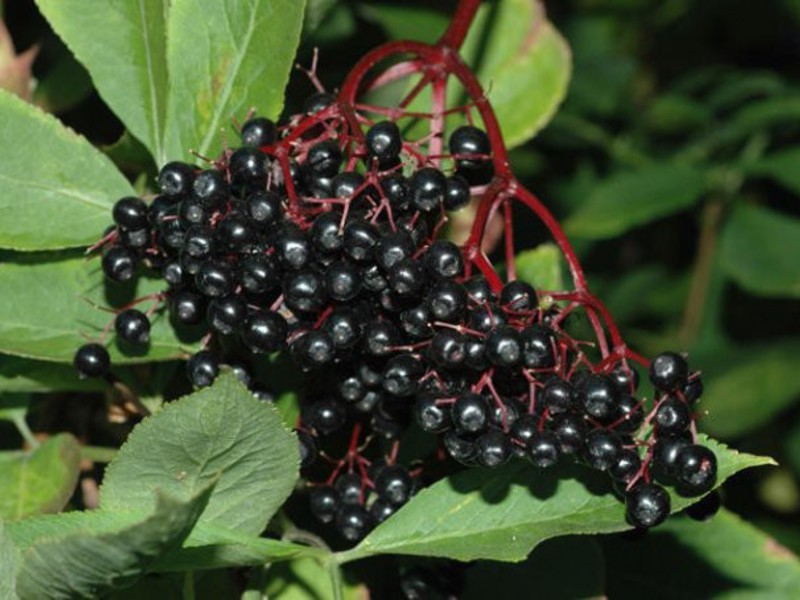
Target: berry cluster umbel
{"type": "Point", "coordinates": [322, 237]}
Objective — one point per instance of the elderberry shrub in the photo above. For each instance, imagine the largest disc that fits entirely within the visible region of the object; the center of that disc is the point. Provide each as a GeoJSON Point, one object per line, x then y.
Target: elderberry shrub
{"type": "Point", "coordinates": [299, 241]}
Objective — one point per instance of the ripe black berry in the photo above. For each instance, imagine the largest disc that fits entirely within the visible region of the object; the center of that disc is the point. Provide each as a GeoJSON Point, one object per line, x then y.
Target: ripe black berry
{"type": "Point", "coordinates": [470, 413]}
{"type": "Point", "coordinates": [430, 416]}
{"type": "Point", "coordinates": [175, 179]}
{"type": "Point", "coordinates": [130, 213]}
{"type": "Point", "coordinates": [537, 347]}
{"type": "Point", "coordinates": [503, 347]}
{"type": "Point", "coordinates": [557, 396]}
{"type": "Point", "coordinates": [265, 332]}
{"type": "Point", "coordinates": [92, 360]}
{"type": "Point", "coordinates": [263, 209]}
{"type": "Point", "coordinates": [543, 449]}
{"type": "Point", "coordinates": [119, 264]}
{"type": "Point", "coordinates": [211, 189]}
{"type": "Point", "coordinates": [672, 417]}
{"type": "Point", "coordinates": [427, 187]}
{"type": "Point", "coordinates": [235, 232]}
{"type": "Point", "coordinates": [465, 143]}
{"type": "Point", "coordinates": [447, 301]}
{"type": "Point", "coordinates": [202, 368]}
{"type": "Point", "coordinates": [314, 349]}
{"type": "Point", "coordinates": [226, 315]}
{"type": "Point", "coordinates": [571, 432]}
{"type": "Point", "coordinates": [359, 239]}
{"type": "Point", "coordinates": [444, 259]}
{"type": "Point", "coordinates": [215, 279]}
{"type": "Point", "coordinates": [402, 374]}
{"type": "Point", "coordinates": [133, 326]}
{"type": "Point", "coordinates": [647, 505]}
{"type": "Point", "coordinates": [393, 247]}
{"type": "Point", "coordinates": [258, 274]}
{"type": "Point", "coordinates": [384, 142]}
{"type": "Point", "coordinates": [598, 396]}
{"type": "Point", "coordinates": [669, 371]}
{"type": "Point", "coordinates": [308, 447]}
{"type": "Point", "coordinates": [292, 248]}
{"type": "Point", "coordinates": [394, 484]}
{"type": "Point", "coordinates": [602, 449]}
{"type": "Point", "coordinates": [326, 416]}
{"type": "Point", "coordinates": [353, 522]}
{"type": "Point", "coordinates": [494, 448]}
{"type": "Point", "coordinates": [379, 337]}
{"type": "Point", "coordinates": [460, 449]}
{"type": "Point", "coordinates": [344, 327]}
{"type": "Point", "coordinates": [304, 291]}
{"type": "Point", "coordinates": [518, 296]}
{"type": "Point", "coordinates": [447, 349]}
{"type": "Point", "coordinates": [324, 502]}
{"type": "Point", "coordinates": [457, 193]}
{"type": "Point", "coordinates": [663, 465]}
{"type": "Point", "coordinates": [258, 132]}
{"type": "Point", "coordinates": [626, 467]}
{"type": "Point", "coordinates": [696, 470]}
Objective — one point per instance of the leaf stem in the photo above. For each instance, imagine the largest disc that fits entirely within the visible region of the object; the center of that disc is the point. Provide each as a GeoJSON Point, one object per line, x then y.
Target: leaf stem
{"type": "Point", "coordinates": [18, 418]}
{"type": "Point", "coordinates": [188, 586]}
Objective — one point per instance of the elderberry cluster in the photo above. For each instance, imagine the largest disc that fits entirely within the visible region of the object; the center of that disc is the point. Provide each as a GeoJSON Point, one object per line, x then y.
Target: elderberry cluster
{"type": "Point", "coordinates": [326, 244]}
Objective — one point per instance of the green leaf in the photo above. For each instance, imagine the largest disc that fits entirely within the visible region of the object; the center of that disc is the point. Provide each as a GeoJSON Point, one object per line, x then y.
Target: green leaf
{"type": "Point", "coordinates": [527, 81]}
{"type": "Point", "coordinates": [63, 86]}
{"type": "Point", "coordinates": [503, 514]}
{"type": "Point", "coordinates": [725, 557]}
{"type": "Point", "coordinates": [541, 267]}
{"type": "Point", "coordinates": [552, 565]}
{"type": "Point", "coordinates": [48, 171]}
{"type": "Point", "coordinates": [88, 563]}
{"type": "Point", "coordinates": [9, 559]}
{"type": "Point", "coordinates": [36, 322]}
{"type": "Point", "coordinates": [25, 375]}
{"type": "Point", "coordinates": [628, 199]}
{"type": "Point", "coordinates": [40, 481]}
{"type": "Point", "coordinates": [226, 57]}
{"type": "Point", "coordinates": [123, 45]}
{"type": "Point", "coordinates": [782, 166]}
{"type": "Point", "coordinates": [745, 388]}
{"type": "Point", "coordinates": [759, 250]}
{"type": "Point", "coordinates": [306, 579]}
{"type": "Point", "coordinates": [222, 429]}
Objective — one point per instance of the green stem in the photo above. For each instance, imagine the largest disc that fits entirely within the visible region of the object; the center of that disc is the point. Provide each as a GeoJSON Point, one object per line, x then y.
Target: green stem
{"type": "Point", "coordinates": [188, 586]}
{"type": "Point", "coordinates": [22, 426]}
{"type": "Point", "coordinates": [335, 572]}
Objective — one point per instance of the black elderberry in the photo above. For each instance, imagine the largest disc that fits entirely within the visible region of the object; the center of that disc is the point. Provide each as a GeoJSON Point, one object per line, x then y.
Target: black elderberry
{"type": "Point", "coordinates": [430, 416]}
{"type": "Point", "coordinates": [416, 322]}
{"type": "Point", "coordinates": [248, 167]}
{"type": "Point", "coordinates": [663, 464]}
{"type": "Point", "coordinates": [427, 186]}
{"type": "Point", "coordinates": [346, 184]}
{"type": "Point", "coordinates": [395, 187]}
{"type": "Point", "coordinates": [342, 281]}
{"type": "Point", "coordinates": [175, 179]}
{"type": "Point", "coordinates": [631, 414]}
{"type": "Point", "coordinates": [186, 307]}
{"type": "Point", "coordinates": [130, 213]}
{"type": "Point", "coordinates": [392, 248]}
{"type": "Point", "coordinates": [602, 449]}
{"type": "Point", "coordinates": [493, 448]}
{"type": "Point", "coordinates": [325, 236]}
{"type": "Point", "coordinates": [460, 449]}
{"type": "Point", "coordinates": [351, 389]}
{"type": "Point", "coordinates": [304, 291]}
{"type": "Point", "coordinates": [317, 102]}
{"type": "Point", "coordinates": [202, 369]}
{"type": "Point", "coordinates": [669, 371]}
{"type": "Point", "coordinates": [265, 331]}
{"type": "Point", "coordinates": [258, 132]}
{"type": "Point", "coordinates": [696, 470]}
{"type": "Point", "coordinates": [626, 466]}
{"type": "Point", "coordinates": [226, 315]}
{"type": "Point", "coordinates": [379, 338]}
{"type": "Point", "coordinates": [136, 239]}
{"type": "Point", "coordinates": [235, 232]}
{"type": "Point", "coordinates": [444, 259]}
{"type": "Point", "coordinates": [384, 143]}
{"type": "Point", "coordinates": [371, 377]}
{"type": "Point", "coordinates": [571, 432]}
{"type": "Point", "coordinates": [470, 413]}
{"type": "Point", "coordinates": [344, 327]}
{"type": "Point", "coordinates": [326, 416]}
{"type": "Point", "coordinates": [518, 296]}
{"type": "Point", "coordinates": [133, 326]}
{"type": "Point", "coordinates": [544, 449]}
{"type": "Point", "coordinates": [503, 347]}
{"type": "Point", "coordinates": [172, 273]}
{"type": "Point", "coordinates": [190, 264]}
{"type": "Point", "coordinates": [401, 375]}
{"type": "Point", "coordinates": [557, 396]}
{"type": "Point", "coordinates": [199, 242]}
{"type": "Point", "coordinates": [308, 448]}
{"type": "Point", "coordinates": [292, 248]}
{"type": "Point", "coordinates": [625, 378]}
{"type": "Point", "coordinates": [314, 349]}
{"type": "Point", "coordinates": [263, 209]}
{"type": "Point", "coordinates": [447, 301]}
{"type": "Point", "coordinates": [647, 505]}
{"type": "Point", "coordinates": [394, 484]}
{"type": "Point", "coordinates": [475, 352]}
{"type": "Point", "coordinates": [370, 401]}
{"type": "Point", "coordinates": [407, 279]}
{"type": "Point", "coordinates": [172, 234]}
{"type": "Point", "coordinates": [598, 396]}
{"type": "Point", "coordinates": [416, 227]}
{"type": "Point", "coordinates": [353, 522]}
{"type": "Point", "coordinates": [447, 349]}
{"type": "Point", "coordinates": [350, 487]}
{"type": "Point", "coordinates": [159, 209]}
{"type": "Point", "coordinates": [672, 417]}
{"type": "Point", "coordinates": [486, 317]}
{"type": "Point", "coordinates": [215, 279]}
{"type": "Point", "coordinates": [258, 274]}
{"type": "Point", "coordinates": [360, 238]}
{"type": "Point", "coordinates": [693, 389]}
{"type": "Point", "coordinates": [457, 193]}
{"type": "Point", "coordinates": [92, 360]}
{"type": "Point", "coordinates": [381, 509]}
{"type": "Point", "coordinates": [211, 189]}
{"type": "Point", "coordinates": [479, 290]}
{"type": "Point", "coordinates": [468, 144]}
{"type": "Point", "coordinates": [119, 264]}
{"type": "Point", "coordinates": [192, 212]}
{"type": "Point", "coordinates": [324, 503]}
{"type": "Point", "coordinates": [537, 347]}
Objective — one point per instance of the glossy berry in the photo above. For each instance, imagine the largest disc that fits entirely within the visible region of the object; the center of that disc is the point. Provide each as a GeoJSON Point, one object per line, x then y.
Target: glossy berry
{"type": "Point", "coordinates": [353, 522]}
{"type": "Point", "coordinates": [631, 414]}
{"type": "Point", "coordinates": [518, 296]}
{"type": "Point", "coordinates": [465, 143]}
{"type": "Point", "coordinates": [326, 416]}
{"type": "Point", "coordinates": [215, 279]}
{"type": "Point", "coordinates": [292, 248]}
{"type": "Point", "coordinates": [672, 417]}
{"type": "Point", "coordinates": [537, 347]}
{"type": "Point", "coordinates": [211, 188]}
{"type": "Point", "coordinates": [265, 332]}
{"type": "Point", "coordinates": [693, 389]}
{"type": "Point", "coordinates": [324, 159]}
{"type": "Point", "coordinates": [447, 301]}
{"type": "Point", "coordinates": [324, 503]}
{"type": "Point", "coordinates": [470, 413]}
{"type": "Point", "coordinates": [598, 396]}
{"type": "Point", "coordinates": [172, 273]}
{"type": "Point", "coordinates": [130, 213]}
{"type": "Point", "coordinates": [175, 179]}
{"type": "Point", "coordinates": [360, 238]}
{"type": "Point", "coordinates": [430, 416]}
{"type": "Point", "coordinates": [394, 484]}
{"type": "Point", "coordinates": [324, 236]}
{"type": "Point", "coordinates": [602, 449]}
{"type": "Point", "coordinates": [571, 432]}
{"type": "Point", "coordinates": [392, 248]}
{"type": "Point", "coordinates": [503, 347]}
{"type": "Point", "coordinates": [647, 505]}
{"type": "Point", "coordinates": [395, 187]}
{"type": "Point", "coordinates": [416, 322]}
{"type": "Point", "coordinates": [402, 374]}
{"type": "Point", "coordinates": [119, 264]}
{"type": "Point", "coordinates": [314, 349]}
{"type": "Point", "coordinates": [696, 470]}
{"type": "Point", "coordinates": [92, 360]}
{"type": "Point", "coordinates": [447, 349]}
{"type": "Point", "coordinates": [663, 465]}
{"type": "Point", "coordinates": [625, 378]}
{"type": "Point", "coordinates": [202, 369]}
{"type": "Point", "coordinates": [384, 143]}
{"type": "Point", "coordinates": [460, 449]}
{"type": "Point", "coordinates": [263, 209]}
{"type": "Point", "coordinates": [258, 274]}
{"type": "Point", "coordinates": [427, 186]}
{"type": "Point", "coordinates": [668, 371]}
{"type": "Point", "coordinates": [407, 278]}
{"type": "Point", "coordinates": [350, 486]}
{"type": "Point", "coordinates": [379, 337]}
{"type": "Point", "coordinates": [457, 193]}
{"type": "Point", "coordinates": [186, 307]}
{"type": "Point", "coordinates": [199, 242]}
{"type": "Point", "coordinates": [557, 396]}
{"type": "Point", "coordinates": [626, 466]}
{"type": "Point", "coordinates": [235, 232]}
{"type": "Point", "coordinates": [133, 326]}
{"type": "Point", "coordinates": [317, 102]}
{"type": "Point", "coordinates": [248, 166]}
{"type": "Point", "coordinates": [226, 315]}
{"type": "Point", "coordinates": [381, 509]}
{"type": "Point", "coordinates": [494, 448]}
{"type": "Point", "coordinates": [308, 447]}
{"type": "Point", "coordinates": [475, 352]}
{"type": "Point", "coordinates": [443, 259]}
{"type": "Point", "coordinates": [344, 327]}
{"type": "Point", "coordinates": [304, 291]}
{"type": "Point", "coordinates": [258, 132]}
{"type": "Point", "coordinates": [543, 449]}
{"type": "Point", "coordinates": [479, 290]}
